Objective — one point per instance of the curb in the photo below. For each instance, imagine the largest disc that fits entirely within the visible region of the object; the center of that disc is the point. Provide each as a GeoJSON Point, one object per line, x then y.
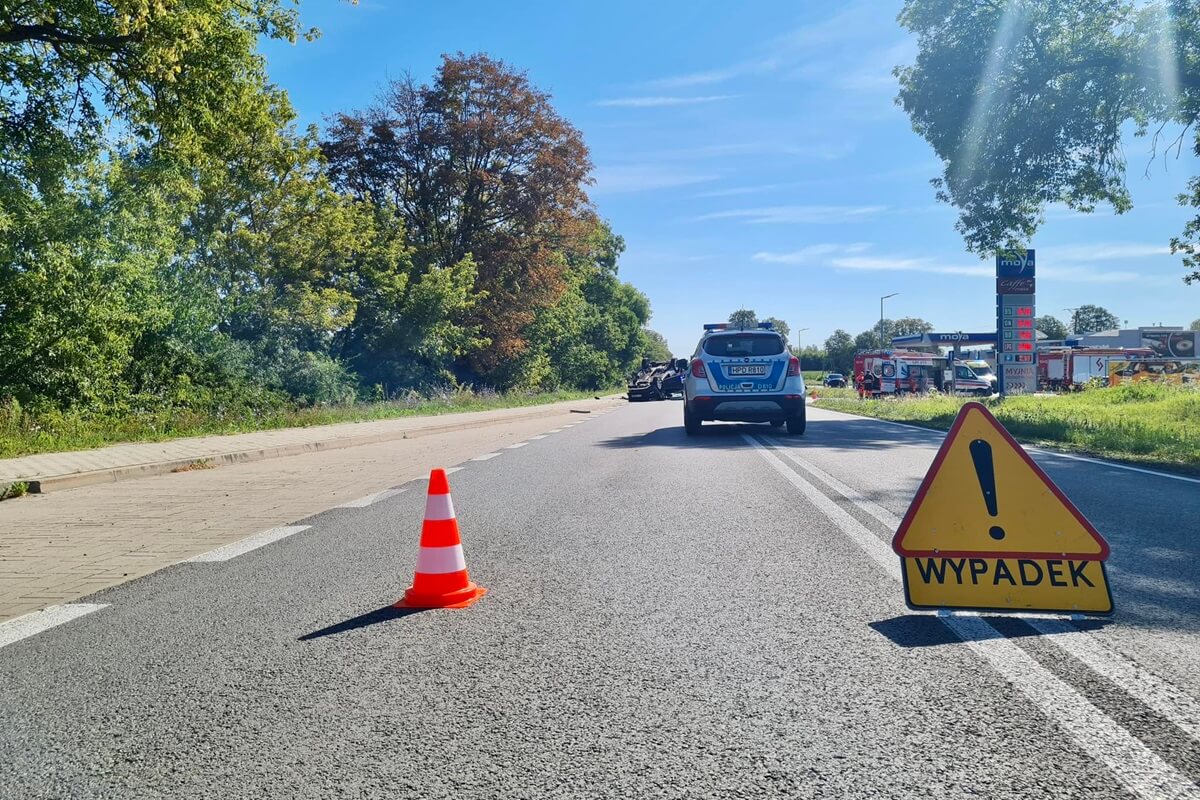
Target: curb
{"type": "Point", "coordinates": [73, 480]}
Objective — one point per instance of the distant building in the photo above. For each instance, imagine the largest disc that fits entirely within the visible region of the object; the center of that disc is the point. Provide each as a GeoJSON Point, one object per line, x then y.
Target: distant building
{"type": "Point", "coordinates": [1166, 341]}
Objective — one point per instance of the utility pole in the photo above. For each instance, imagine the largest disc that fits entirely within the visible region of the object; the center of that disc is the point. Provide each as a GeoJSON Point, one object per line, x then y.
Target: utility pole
{"type": "Point", "coordinates": [885, 297]}
{"type": "Point", "coordinates": [1074, 319]}
{"type": "Point", "coordinates": [800, 347]}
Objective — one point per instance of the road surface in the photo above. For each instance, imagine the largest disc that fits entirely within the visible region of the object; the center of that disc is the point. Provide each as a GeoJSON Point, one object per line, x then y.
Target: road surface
{"type": "Point", "coordinates": [667, 617]}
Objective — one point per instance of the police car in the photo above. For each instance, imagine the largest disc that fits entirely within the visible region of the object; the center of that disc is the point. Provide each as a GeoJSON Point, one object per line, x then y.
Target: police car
{"type": "Point", "coordinates": [743, 375]}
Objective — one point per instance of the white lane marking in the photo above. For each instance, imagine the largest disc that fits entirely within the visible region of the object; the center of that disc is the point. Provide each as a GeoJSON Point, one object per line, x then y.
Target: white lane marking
{"type": "Point", "coordinates": [235, 549]}
{"type": "Point", "coordinates": [515, 446]}
{"type": "Point", "coordinates": [453, 470]}
{"type": "Point", "coordinates": [26, 625]}
{"type": "Point", "coordinates": [1094, 732]}
{"type": "Point", "coordinates": [1113, 465]}
{"type": "Point", "coordinates": [370, 499]}
{"type": "Point", "coordinates": [486, 457]}
{"type": "Point", "coordinates": [556, 430]}
{"type": "Point", "coordinates": [1158, 694]}
{"type": "Point", "coordinates": [1040, 451]}
{"type": "Point", "coordinates": [1169, 700]}
{"type": "Point", "coordinates": [534, 438]}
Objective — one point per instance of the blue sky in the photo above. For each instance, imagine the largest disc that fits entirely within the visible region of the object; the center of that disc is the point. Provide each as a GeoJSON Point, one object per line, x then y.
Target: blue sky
{"type": "Point", "coordinates": [751, 155]}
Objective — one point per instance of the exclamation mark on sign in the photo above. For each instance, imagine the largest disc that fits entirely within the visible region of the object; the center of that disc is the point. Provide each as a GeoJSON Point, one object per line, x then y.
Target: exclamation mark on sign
{"type": "Point", "coordinates": [981, 454]}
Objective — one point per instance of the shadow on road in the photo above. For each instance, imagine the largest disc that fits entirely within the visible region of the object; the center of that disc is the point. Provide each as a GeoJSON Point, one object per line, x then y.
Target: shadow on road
{"type": "Point", "coordinates": [724, 436]}
{"type": "Point", "coordinates": [926, 630]}
{"type": "Point", "coordinates": [376, 617]}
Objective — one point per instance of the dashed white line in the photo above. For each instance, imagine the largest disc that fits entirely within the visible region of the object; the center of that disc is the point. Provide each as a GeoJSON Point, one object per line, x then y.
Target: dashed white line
{"type": "Point", "coordinates": [1170, 701]}
{"type": "Point", "coordinates": [1093, 731]}
{"type": "Point", "coordinates": [14, 630]}
{"type": "Point", "coordinates": [534, 438]}
{"type": "Point", "coordinates": [370, 499]}
{"type": "Point", "coordinates": [235, 549]}
{"type": "Point", "coordinates": [556, 430]}
{"type": "Point", "coordinates": [515, 446]}
{"type": "Point", "coordinates": [453, 470]}
{"type": "Point", "coordinates": [485, 457]}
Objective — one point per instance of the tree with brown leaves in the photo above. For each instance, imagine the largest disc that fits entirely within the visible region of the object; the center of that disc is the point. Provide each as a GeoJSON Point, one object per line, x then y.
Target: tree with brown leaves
{"type": "Point", "coordinates": [478, 164]}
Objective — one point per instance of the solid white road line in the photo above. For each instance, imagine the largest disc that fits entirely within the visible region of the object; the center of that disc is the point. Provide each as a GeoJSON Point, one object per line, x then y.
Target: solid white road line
{"type": "Point", "coordinates": [1169, 700]}
{"type": "Point", "coordinates": [556, 430]}
{"type": "Point", "coordinates": [535, 438]}
{"type": "Point", "coordinates": [14, 630]}
{"type": "Point", "coordinates": [515, 446]}
{"type": "Point", "coordinates": [453, 470]}
{"type": "Point", "coordinates": [235, 549]}
{"type": "Point", "coordinates": [370, 499]}
{"type": "Point", "coordinates": [1094, 732]}
{"type": "Point", "coordinates": [485, 457]}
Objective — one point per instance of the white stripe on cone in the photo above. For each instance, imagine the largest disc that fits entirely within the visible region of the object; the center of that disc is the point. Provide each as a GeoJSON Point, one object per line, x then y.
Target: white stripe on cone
{"type": "Point", "coordinates": [440, 560]}
{"type": "Point", "coordinates": [439, 506]}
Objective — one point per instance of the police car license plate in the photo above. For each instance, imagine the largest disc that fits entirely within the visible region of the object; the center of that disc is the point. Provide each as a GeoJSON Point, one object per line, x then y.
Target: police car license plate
{"type": "Point", "coordinates": [748, 369]}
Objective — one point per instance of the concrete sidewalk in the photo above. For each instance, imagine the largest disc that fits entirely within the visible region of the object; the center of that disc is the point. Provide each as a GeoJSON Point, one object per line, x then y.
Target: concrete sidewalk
{"type": "Point", "coordinates": [47, 472]}
{"type": "Point", "coordinates": [61, 546]}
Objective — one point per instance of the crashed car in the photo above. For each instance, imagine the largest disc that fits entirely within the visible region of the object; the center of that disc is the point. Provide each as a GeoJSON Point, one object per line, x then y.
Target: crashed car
{"type": "Point", "coordinates": [657, 380]}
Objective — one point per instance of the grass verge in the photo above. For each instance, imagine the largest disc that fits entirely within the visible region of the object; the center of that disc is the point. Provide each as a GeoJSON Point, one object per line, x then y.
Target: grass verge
{"type": "Point", "coordinates": [23, 432]}
{"type": "Point", "coordinates": [1142, 423]}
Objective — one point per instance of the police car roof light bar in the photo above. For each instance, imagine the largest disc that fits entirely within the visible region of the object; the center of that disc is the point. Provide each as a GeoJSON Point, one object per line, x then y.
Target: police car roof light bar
{"type": "Point", "coordinates": [716, 326]}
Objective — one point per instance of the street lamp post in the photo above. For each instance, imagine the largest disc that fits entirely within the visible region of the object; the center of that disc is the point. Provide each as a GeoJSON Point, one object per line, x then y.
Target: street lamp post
{"type": "Point", "coordinates": [800, 347]}
{"type": "Point", "coordinates": [885, 297]}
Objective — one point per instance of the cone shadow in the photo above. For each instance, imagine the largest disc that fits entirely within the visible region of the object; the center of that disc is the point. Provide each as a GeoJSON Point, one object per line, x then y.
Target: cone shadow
{"type": "Point", "coordinates": [376, 617]}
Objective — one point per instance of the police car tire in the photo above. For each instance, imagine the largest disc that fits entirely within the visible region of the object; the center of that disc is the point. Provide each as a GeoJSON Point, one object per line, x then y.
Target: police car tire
{"type": "Point", "coordinates": [797, 424]}
{"type": "Point", "coordinates": [690, 423]}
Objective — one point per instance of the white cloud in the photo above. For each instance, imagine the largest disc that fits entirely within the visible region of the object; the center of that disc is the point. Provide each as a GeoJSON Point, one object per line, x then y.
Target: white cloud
{"type": "Point", "coordinates": [886, 264]}
{"type": "Point", "coordinates": [645, 177]}
{"type": "Point", "coordinates": [816, 215]}
{"type": "Point", "coordinates": [806, 255]}
{"type": "Point", "coordinates": [1101, 251]}
{"type": "Point", "coordinates": [711, 76]}
{"type": "Point", "coordinates": [663, 101]}
{"type": "Point", "coordinates": [813, 49]}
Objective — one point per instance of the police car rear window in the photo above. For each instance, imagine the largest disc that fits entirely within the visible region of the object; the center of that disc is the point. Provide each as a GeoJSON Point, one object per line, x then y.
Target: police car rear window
{"type": "Point", "coordinates": [733, 345]}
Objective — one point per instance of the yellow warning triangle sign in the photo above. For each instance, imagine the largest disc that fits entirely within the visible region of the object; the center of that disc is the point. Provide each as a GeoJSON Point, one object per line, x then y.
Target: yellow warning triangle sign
{"type": "Point", "coordinates": [985, 497]}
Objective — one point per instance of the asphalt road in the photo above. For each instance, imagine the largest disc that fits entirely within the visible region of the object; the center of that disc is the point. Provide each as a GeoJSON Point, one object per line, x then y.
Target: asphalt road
{"type": "Point", "coordinates": [667, 617]}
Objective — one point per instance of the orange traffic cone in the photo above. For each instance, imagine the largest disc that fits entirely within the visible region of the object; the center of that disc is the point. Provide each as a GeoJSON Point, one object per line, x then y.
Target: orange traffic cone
{"type": "Point", "coordinates": [441, 579]}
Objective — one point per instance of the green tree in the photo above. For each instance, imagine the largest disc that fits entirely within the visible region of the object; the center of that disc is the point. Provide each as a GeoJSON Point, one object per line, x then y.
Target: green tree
{"type": "Point", "coordinates": [813, 358]}
{"type": "Point", "coordinates": [780, 326]}
{"type": "Point", "coordinates": [743, 318]}
{"type": "Point", "coordinates": [655, 348]}
{"type": "Point", "coordinates": [907, 326]}
{"type": "Point", "coordinates": [1052, 327]}
{"type": "Point", "coordinates": [78, 286]}
{"type": "Point", "coordinates": [1025, 102]}
{"type": "Point", "coordinates": [1090, 319]}
{"type": "Point", "coordinates": [594, 334]}
{"type": "Point", "coordinates": [1195, 326]}
{"type": "Point", "coordinates": [840, 348]}
{"type": "Point", "coordinates": [170, 73]}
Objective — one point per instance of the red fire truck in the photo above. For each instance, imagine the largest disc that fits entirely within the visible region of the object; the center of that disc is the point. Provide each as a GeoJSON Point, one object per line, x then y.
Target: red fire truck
{"type": "Point", "coordinates": [1072, 368]}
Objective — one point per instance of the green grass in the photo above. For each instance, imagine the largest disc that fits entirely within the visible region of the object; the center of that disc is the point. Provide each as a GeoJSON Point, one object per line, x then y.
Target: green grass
{"type": "Point", "coordinates": [1136, 422]}
{"type": "Point", "coordinates": [23, 432]}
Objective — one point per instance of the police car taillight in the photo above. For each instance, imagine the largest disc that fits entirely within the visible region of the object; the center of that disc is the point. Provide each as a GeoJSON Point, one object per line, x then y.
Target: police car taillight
{"type": "Point", "coordinates": [793, 367]}
{"type": "Point", "coordinates": [698, 369]}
